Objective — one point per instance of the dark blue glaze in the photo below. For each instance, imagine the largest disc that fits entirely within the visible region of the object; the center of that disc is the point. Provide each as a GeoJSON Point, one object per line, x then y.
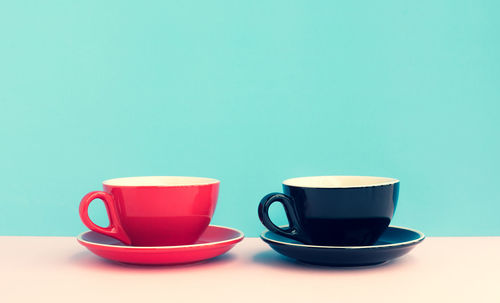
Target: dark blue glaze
{"type": "Point", "coordinates": [393, 243]}
{"type": "Point", "coordinates": [333, 216]}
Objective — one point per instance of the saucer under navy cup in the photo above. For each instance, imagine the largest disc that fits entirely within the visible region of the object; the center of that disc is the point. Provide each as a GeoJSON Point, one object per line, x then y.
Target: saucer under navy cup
{"type": "Point", "coordinates": [334, 210]}
{"type": "Point", "coordinates": [394, 243]}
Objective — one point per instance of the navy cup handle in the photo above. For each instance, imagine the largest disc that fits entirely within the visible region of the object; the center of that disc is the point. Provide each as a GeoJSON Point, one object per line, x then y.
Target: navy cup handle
{"type": "Point", "coordinates": [293, 231]}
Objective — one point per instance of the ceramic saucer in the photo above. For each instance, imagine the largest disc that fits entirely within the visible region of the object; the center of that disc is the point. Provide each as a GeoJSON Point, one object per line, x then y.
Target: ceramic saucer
{"type": "Point", "coordinates": [394, 243]}
{"type": "Point", "coordinates": [215, 241]}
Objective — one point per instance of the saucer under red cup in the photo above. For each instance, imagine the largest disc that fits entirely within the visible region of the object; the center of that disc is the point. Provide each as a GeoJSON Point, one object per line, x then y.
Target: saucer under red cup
{"type": "Point", "coordinates": [215, 241]}
{"type": "Point", "coordinates": [154, 211]}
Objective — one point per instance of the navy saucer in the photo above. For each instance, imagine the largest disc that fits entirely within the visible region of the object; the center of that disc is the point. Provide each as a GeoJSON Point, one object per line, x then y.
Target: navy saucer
{"type": "Point", "coordinates": [394, 242]}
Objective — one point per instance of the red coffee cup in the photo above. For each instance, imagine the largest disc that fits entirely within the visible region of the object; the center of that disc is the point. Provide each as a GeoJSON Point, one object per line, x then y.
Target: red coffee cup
{"type": "Point", "coordinates": [154, 211]}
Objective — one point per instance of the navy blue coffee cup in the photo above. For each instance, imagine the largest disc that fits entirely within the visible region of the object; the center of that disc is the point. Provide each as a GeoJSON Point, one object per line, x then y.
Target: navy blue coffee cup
{"type": "Point", "coordinates": [334, 210]}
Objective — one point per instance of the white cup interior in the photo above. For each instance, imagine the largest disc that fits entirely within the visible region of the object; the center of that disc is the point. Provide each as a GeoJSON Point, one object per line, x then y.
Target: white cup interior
{"type": "Point", "coordinates": [163, 181]}
{"type": "Point", "coordinates": [339, 181]}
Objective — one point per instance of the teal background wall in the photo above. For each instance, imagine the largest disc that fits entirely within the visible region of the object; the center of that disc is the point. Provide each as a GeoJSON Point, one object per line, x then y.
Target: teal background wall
{"type": "Point", "coordinates": [251, 93]}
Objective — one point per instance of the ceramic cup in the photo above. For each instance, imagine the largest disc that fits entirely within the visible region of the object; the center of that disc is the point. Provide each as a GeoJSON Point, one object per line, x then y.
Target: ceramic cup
{"type": "Point", "coordinates": [154, 211]}
{"type": "Point", "coordinates": [334, 210]}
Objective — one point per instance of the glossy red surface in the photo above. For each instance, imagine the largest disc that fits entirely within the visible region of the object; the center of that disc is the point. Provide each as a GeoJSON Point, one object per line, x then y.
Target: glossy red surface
{"type": "Point", "coordinates": [215, 241]}
{"type": "Point", "coordinates": [154, 215]}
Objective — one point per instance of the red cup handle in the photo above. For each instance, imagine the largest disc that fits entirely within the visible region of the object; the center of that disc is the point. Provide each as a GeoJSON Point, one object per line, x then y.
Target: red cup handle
{"type": "Point", "coordinates": [114, 229]}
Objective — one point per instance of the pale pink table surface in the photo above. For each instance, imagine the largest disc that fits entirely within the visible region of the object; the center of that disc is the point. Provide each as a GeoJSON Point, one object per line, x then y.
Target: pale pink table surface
{"type": "Point", "coordinates": [58, 269]}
